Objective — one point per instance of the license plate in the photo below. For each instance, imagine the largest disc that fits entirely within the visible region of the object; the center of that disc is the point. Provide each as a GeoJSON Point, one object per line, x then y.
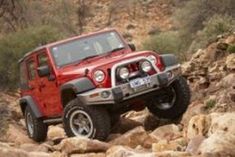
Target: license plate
{"type": "Point", "coordinates": [139, 82]}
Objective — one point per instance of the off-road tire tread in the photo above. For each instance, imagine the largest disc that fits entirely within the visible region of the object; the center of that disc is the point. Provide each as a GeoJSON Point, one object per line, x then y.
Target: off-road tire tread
{"type": "Point", "coordinates": [98, 114]}
{"type": "Point", "coordinates": [183, 99]}
{"type": "Point", "coordinates": [40, 128]}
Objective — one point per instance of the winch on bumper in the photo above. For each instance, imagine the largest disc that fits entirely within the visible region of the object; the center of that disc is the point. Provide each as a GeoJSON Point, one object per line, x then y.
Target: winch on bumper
{"type": "Point", "coordinates": [125, 91]}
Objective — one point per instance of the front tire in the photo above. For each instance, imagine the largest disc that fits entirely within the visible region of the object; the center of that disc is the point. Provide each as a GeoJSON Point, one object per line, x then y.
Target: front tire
{"type": "Point", "coordinates": [36, 129]}
{"type": "Point", "coordinates": [173, 101]}
{"type": "Point", "coordinates": [88, 121]}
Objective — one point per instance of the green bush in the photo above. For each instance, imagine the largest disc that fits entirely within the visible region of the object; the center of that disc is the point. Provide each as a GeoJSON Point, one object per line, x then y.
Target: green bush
{"type": "Point", "coordinates": [231, 48]}
{"type": "Point", "coordinates": [191, 16]}
{"type": "Point", "coordinates": [216, 25]}
{"type": "Point", "coordinates": [210, 104]}
{"type": "Point", "coordinates": [15, 45]}
{"type": "Point", "coordinates": [165, 42]}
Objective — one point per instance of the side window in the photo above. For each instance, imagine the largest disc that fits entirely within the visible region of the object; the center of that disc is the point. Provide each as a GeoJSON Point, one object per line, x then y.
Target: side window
{"type": "Point", "coordinates": [31, 69]}
{"type": "Point", "coordinates": [42, 59]}
{"type": "Point", "coordinates": [23, 75]}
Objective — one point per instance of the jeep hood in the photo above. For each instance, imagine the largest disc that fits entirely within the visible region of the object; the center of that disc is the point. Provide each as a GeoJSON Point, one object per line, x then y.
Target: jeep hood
{"type": "Point", "coordinates": [99, 63]}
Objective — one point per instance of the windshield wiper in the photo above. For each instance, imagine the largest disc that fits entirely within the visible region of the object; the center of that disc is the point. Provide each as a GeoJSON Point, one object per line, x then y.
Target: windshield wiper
{"type": "Point", "coordinates": [88, 57]}
{"type": "Point", "coordinates": [85, 58]}
{"type": "Point", "coordinates": [116, 49]}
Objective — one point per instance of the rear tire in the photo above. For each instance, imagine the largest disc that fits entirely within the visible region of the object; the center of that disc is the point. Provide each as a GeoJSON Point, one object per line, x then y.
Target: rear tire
{"type": "Point", "coordinates": [36, 129]}
{"type": "Point", "coordinates": [179, 105]}
{"type": "Point", "coordinates": [89, 121]}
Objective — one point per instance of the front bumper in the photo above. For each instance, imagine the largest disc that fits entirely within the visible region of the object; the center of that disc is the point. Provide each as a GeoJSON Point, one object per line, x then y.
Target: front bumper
{"type": "Point", "coordinates": [124, 92]}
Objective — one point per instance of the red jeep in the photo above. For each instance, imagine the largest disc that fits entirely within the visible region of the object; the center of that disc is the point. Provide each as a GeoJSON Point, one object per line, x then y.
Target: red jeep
{"type": "Point", "coordinates": [88, 81]}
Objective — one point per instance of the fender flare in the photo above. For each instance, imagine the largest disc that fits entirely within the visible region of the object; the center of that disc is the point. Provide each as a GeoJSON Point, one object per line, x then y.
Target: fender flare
{"type": "Point", "coordinates": [78, 85]}
{"type": "Point", "coordinates": [169, 60]}
{"type": "Point", "coordinates": [28, 100]}
{"type": "Point", "coordinates": [70, 89]}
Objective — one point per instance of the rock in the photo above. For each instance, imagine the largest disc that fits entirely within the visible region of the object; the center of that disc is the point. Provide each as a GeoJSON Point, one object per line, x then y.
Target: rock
{"type": "Point", "coordinates": [198, 125]}
{"type": "Point", "coordinates": [17, 135]}
{"type": "Point", "coordinates": [4, 145]}
{"type": "Point", "coordinates": [55, 132]}
{"type": "Point", "coordinates": [164, 145]}
{"type": "Point", "coordinates": [167, 132]}
{"type": "Point", "coordinates": [230, 61]}
{"type": "Point", "coordinates": [194, 108]}
{"type": "Point", "coordinates": [145, 118]}
{"type": "Point", "coordinates": [89, 155]}
{"type": "Point", "coordinates": [172, 154]}
{"type": "Point", "coordinates": [13, 152]}
{"type": "Point", "coordinates": [124, 125]}
{"type": "Point", "coordinates": [228, 80]}
{"type": "Point", "coordinates": [230, 39]}
{"type": "Point", "coordinates": [82, 145]}
{"type": "Point", "coordinates": [194, 144]}
{"type": "Point", "coordinates": [28, 147]}
{"type": "Point", "coordinates": [57, 154]}
{"type": "Point", "coordinates": [218, 144]}
{"type": "Point", "coordinates": [38, 154]}
{"type": "Point", "coordinates": [222, 122]}
{"type": "Point", "coordinates": [203, 83]}
{"type": "Point", "coordinates": [151, 122]}
{"type": "Point", "coordinates": [133, 138]}
{"type": "Point", "coordinates": [213, 51]}
{"type": "Point", "coordinates": [123, 151]}
{"type": "Point", "coordinates": [222, 46]}
{"type": "Point", "coordinates": [113, 136]}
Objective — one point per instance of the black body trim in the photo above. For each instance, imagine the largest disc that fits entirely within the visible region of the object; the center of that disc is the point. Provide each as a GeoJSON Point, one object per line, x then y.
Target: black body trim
{"type": "Point", "coordinates": [28, 100]}
{"type": "Point", "coordinates": [169, 59]}
{"type": "Point", "coordinates": [78, 85]}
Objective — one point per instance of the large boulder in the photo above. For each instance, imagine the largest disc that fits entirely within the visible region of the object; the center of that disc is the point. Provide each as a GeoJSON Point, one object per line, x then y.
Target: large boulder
{"type": "Point", "coordinates": [17, 135]}
{"type": "Point", "coordinates": [124, 125]}
{"type": "Point", "coordinates": [198, 125]}
{"type": "Point", "coordinates": [218, 144]}
{"type": "Point", "coordinates": [29, 147]}
{"type": "Point", "coordinates": [145, 118]}
{"type": "Point", "coordinates": [134, 137]}
{"type": "Point", "coordinates": [123, 151]}
{"type": "Point", "coordinates": [194, 144]}
{"type": "Point", "coordinates": [89, 155]}
{"type": "Point", "coordinates": [222, 122]}
{"type": "Point", "coordinates": [174, 145]}
{"type": "Point", "coordinates": [167, 132]}
{"type": "Point", "coordinates": [172, 154]}
{"type": "Point", "coordinates": [82, 145]}
{"type": "Point", "coordinates": [14, 152]}
{"type": "Point", "coordinates": [55, 133]}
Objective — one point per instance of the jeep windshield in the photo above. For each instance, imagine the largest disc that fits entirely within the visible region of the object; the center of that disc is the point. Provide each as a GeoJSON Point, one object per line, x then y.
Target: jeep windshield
{"type": "Point", "coordinates": [84, 48]}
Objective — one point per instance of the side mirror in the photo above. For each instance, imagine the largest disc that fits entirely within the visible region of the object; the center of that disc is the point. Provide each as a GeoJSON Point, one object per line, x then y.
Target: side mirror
{"type": "Point", "coordinates": [43, 71]}
{"type": "Point", "coordinates": [132, 46]}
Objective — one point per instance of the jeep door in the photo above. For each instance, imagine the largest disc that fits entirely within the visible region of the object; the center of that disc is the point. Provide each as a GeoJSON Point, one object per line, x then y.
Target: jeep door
{"type": "Point", "coordinates": [32, 82]}
{"type": "Point", "coordinates": [48, 87]}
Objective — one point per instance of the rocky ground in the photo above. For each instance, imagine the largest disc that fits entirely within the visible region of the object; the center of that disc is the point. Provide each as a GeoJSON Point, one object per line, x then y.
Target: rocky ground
{"type": "Point", "coordinates": [207, 129]}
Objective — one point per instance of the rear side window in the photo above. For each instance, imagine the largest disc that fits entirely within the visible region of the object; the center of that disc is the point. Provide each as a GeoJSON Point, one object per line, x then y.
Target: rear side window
{"type": "Point", "coordinates": [23, 76]}
{"type": "Point", "coordinates": [42, 59]}
{"type": "Point", "coordinates": [31, 70]}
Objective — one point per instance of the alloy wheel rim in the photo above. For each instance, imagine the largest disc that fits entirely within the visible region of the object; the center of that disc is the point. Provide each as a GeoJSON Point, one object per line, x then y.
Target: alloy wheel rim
{"type": "Point", "coordinates": [29, 123]}
{"type": "Point", "coordinates": [81, 123]}
{"type": "Point", "coordinates": [167, 105]}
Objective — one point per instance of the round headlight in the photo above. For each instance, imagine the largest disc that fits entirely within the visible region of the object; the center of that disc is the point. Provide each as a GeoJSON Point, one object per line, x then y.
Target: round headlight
{"type": "Point", "coordinates": [123, 73]}
{"type": "Point", "coordinates": [152, 58]}
{"type": "Point", "coordinates": [99, 76]}
{"type": "Point", "coordinates": [146, 66]}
